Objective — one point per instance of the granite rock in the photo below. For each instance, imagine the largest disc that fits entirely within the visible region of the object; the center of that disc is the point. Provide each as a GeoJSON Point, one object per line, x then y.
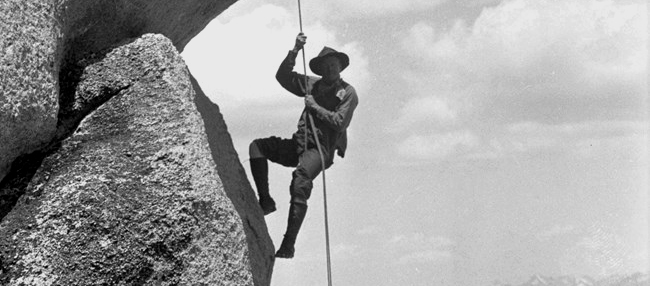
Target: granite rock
{"type": "Point", "coordinates": [136, 195]}
{"type": "Point", "coordinates": [43, 42]}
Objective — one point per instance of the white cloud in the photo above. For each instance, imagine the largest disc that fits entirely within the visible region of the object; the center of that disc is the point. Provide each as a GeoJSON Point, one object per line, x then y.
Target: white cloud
{"type": "Point", "coordinates": [622, 140]}
{"type": "Point", "coordinates": [235, 60]}
{"type": "Point", "coordinates": [344, 9]}
{"type": "Point", "coordinates": [345, 251]}
{"type": "Point", "coordinates": [379, 7]}
{"type": "Point", "coordinates": [526, 53]}
{"type": "Point", "coordinates": [370, 230]}
{"type": "Point", "coordinates": [584, 40]}
{"type": "Point", "coordinates": [424, 111]}
{"type": "Point", "coordinates": [438, 145]}
{"type": "Point", "coordinates": [480, 3]}
{"type": "Point", "coordinates": [602, 251]}
{"type": "Point", "coordinates": [358, 73]}
{"type": "Point", "coordinates": [549, 63]}
{"type": "Point", "coordinates": [425, 256]}
{"type": "Point", "coordinates": [420, 248]}
{"type": "Point", "coordinates": [556, 231]}
{"type": "Point", "coordinates": [589, 139]}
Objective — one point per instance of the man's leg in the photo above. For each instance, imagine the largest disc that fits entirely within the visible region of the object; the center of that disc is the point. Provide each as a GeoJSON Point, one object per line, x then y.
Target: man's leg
{"type": "Point", "coordinates": [277, 150]}
{"type": "Point", "coordinates": [301, 186]}
{"type": "Point", "coordinates": [260, 172]}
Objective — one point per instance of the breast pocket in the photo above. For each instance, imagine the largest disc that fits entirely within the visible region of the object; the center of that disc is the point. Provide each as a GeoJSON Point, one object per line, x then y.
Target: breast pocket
{"type": "Point", "coordinates": [329, 102]}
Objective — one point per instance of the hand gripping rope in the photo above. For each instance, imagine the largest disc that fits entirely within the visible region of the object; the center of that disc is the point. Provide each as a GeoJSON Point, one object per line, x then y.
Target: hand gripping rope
{"type": "Point", "coordinates": [322, 160]}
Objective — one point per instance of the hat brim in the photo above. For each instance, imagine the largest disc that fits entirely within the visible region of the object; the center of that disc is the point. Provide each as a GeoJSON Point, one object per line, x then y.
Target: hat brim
{"type": "Point", "coordinates": [315, 63]}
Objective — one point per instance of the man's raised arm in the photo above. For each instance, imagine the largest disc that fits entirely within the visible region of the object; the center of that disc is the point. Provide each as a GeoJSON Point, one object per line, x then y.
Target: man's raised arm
{"type": "Point", "coordinates": [290, 80]}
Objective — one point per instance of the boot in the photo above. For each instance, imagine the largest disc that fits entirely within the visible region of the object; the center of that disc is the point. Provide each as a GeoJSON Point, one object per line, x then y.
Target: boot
{"type": "Point", "coordinates": [297, 214]}
{"type": "Point", "coordinates": [260, 171]}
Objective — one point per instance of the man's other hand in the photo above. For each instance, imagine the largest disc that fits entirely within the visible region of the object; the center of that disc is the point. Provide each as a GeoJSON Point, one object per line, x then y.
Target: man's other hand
{"type": "Point", "coordinates": [310, 102]}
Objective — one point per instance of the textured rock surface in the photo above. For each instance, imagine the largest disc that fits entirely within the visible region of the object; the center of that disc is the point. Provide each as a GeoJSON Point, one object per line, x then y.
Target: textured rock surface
{"type": "Point", "coordinates": [134, 197]}
{"type": "Point", "coordinates": [91, 25]}
{"type": "Point", "coordinates": [43, 41]}
{"type": "Point", "coordinates": [28, 77]}
{"type": "Point", "coordinates": [237, 188]}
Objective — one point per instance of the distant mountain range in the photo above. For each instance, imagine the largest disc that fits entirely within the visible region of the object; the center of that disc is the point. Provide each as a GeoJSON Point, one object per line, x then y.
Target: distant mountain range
{"type": "Point", "coordinates": [636, 279]}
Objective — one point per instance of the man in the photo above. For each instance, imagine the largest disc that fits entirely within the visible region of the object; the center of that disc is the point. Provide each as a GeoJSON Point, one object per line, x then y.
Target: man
{"type": "Point", "coordinates": [331, 102]}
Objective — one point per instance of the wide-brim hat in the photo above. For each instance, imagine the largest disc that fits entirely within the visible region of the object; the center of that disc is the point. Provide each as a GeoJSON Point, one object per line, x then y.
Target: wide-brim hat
{"type": "Point", "coordinates": [315, 63]}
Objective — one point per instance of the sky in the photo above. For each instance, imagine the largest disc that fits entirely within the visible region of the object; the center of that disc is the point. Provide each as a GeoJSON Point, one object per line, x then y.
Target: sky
{"type": "Point", "coordinates": [494, 139]}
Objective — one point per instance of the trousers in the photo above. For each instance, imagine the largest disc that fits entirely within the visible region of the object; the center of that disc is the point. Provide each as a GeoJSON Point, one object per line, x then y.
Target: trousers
{"type": "Point", "coordinates": [307, 164]}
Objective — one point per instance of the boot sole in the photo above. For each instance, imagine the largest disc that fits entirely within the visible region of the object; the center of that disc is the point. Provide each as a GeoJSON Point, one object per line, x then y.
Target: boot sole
{"type": "Point", "coordinates": [268, 206]}
{"type": "Point", "coordinates": [269, 211]}
{"type": "Point", "coordinates": [284, 255]}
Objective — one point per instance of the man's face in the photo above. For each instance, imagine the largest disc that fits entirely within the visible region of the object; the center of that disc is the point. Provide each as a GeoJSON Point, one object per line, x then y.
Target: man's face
{"type": "Point", "coordinates": [330, 68]}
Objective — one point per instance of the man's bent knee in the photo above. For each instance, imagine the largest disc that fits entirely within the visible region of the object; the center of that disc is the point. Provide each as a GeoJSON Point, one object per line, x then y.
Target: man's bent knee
{"type": "Point", "coordinates": [301, 186]}
{"type": "Point", "coordinates": [298, 200]}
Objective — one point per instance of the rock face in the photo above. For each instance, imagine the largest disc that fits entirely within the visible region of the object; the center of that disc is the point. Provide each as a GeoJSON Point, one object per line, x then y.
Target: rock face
{"type": "Point", "coordinates": [43, 42]}
{"type": "Point", "coordinates": [134, 197]}
{"type": "Point", "coordinates": [237, 188]}
{"type": "Point", "coordinates": [29, 89]}
{"type": "Point", "coordinates": [92, 25]}
{"type": "Point", "coordinates": [115, 169]}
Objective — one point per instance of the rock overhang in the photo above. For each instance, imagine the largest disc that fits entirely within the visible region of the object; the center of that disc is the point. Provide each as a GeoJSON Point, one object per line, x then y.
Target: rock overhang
{"type": "Point", "coordinates": [68, 37]}
{"type": "Point", "coordinates": [43, 48]}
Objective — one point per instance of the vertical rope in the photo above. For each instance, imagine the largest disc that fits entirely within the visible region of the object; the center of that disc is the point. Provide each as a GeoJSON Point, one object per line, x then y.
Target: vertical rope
{"type": "Point", "coordinates": [327, 230]}
{"type": "Point", "coordinates": [304, 66]}
{"type": "Point", "coordinates": [322, 160]}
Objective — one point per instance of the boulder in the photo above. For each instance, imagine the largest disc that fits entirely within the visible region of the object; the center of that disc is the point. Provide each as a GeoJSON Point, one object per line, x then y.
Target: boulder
{"type": "Point", "coordinates": [29, 85]}
{"type": "Point", "coordinates": [43, 41]}
{"type": "Point", "coordinates": [237, 188]}
{"type": "Point", "coordinates": [146, 191]}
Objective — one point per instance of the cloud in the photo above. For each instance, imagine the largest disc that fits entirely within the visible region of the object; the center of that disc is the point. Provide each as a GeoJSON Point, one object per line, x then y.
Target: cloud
{"type": "Point", "coordinates": [588, 139]}
{"type": "Point", "coordinates": [425, 257]}
{"type": "Point", "coordinates": [235, 61]}
{"type": "Point", "coordinates": [425, 111]}
{"type": "Point", "coordinates": [235, 58]}
{"type": "Point", "coordinates": [480, 3]}
{"type": "Point", "coordinates": [525, 58]}
{"type": "Point", "coordinates": [343, 9]}
{"type": "Point", "coordinates": [358, 73]}
{"type": "Point", "coordinates": [559, 67]}
{"type": "Point", "coordinates": [370, 230]}
{"type": "Point", "coordinates": [420, 248]}
{"type": "Point", "coordinates": [620, 140]}
{"type": "Point", "coordinates": [345, 251]}
{"type": "Point", "coordinates": [435, 146]}
{"type": "Point", "coordinates": [602, 251]}
{"type": "Point", "coordinates": [381, 7]}
{"type": "Point", "coordinates": [556, 231]}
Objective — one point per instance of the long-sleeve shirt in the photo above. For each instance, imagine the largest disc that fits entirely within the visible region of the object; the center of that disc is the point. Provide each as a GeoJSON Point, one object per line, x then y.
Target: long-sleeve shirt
{"type": "Point", "coordinates": [336, 104]}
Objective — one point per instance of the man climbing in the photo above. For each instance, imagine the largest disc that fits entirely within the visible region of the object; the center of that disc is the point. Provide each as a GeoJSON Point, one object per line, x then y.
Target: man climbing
{"type": "Point", "coordinates": [331, 103]}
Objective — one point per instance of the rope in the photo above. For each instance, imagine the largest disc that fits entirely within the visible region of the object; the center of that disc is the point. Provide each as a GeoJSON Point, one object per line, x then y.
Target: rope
{"type": "Point", "coordinates": [322, 161]}
{"type": "Point", "coordinates": [327, 230]}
